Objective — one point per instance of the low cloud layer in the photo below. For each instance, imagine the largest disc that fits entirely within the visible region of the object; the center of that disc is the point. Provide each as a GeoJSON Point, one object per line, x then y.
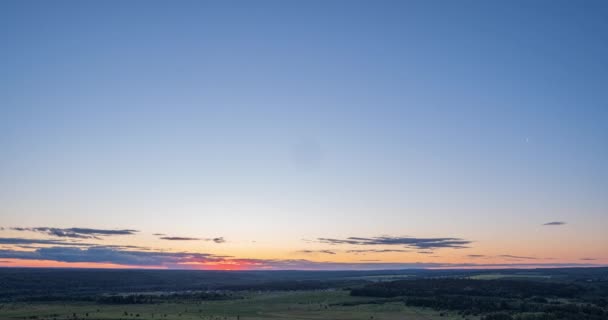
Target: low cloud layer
{"type": "Point", "coordinates": [188, 260]}
{"type": "Point", "coordinates": [78, 233]}
{"type": "Point", "coordinates": [417, 243]}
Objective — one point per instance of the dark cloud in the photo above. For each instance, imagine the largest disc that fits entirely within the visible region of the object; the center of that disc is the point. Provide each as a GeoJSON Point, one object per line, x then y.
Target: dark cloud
{"type": "Point", "coordinates": [516, 257]}
{"type": "Point", "coordinates": [364, 251]}
{"type": "Point", "coordinates": [110, 255]}
{"type": "Point", "coordinates": [78, 233]}
{"type": "Point", "coordinates": [588, 259]}
{"type": "Point", "coordinates": [554, 223]}
{"type": "Point", "coordinates": [104, 232]}
{"type": "Point", "coordinates": [179, 238]}
{"type": "Point", "coordinates": [159, 234]}
{"type": "Point", "coordinates": [476, 256]}
{"type": "Point", "coordinates": [24, 241]}
{"type": "Point", "coordinates": [425, 252]}
{"type": "Point", "coordinates": [218, 240]}
{"type": "Point", "coordinates": [418, 243]}
{"type": "Point", "coordinates": [317, 251]}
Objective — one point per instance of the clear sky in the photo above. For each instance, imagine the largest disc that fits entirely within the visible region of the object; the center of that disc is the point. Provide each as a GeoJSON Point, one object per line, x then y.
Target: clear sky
{"type": "Point", "coordinates": [303, 134]}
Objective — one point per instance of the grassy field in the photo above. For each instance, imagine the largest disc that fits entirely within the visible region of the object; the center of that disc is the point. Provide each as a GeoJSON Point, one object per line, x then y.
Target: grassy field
{"type": "Point", "coordinates": [276, 305]}
{"type": "Point", "coordinates": [495, 276]}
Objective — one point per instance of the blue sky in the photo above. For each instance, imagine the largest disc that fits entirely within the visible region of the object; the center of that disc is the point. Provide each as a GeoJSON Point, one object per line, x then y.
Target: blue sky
{"type": "Point", "coordinates": [270, 122]}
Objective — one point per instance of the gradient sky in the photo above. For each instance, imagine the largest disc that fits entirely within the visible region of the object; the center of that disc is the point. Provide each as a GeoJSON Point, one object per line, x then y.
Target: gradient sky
{"type": "Point", "coordinates": [287, 127]}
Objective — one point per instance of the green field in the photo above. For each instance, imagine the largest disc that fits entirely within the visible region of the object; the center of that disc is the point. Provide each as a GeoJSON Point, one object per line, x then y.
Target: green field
{"type": "Point", "coordinates": [275, 305]}
{"type": "Point", "coordinates": [495, 276]}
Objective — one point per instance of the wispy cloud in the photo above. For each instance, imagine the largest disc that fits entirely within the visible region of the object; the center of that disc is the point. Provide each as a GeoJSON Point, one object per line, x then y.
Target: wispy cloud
{"type": "Point", "coordinates": [418, 243]}
{"type": "Point", "coordinates": [316, 251]}
{"type": "Point", "coordinates": [365, 251]}
{"type": "Point", "coordinates": [78, 233]}
{"type": "Point", "coordinates": [25, 241]}
{"type": "Point", "coordinates": [216, 240]}
{"type": "Point", "coordinates": [517, 257]}
{"type": "Point", "coordinates": [110, 255]}
{"type": "Point", "coordinates": [554, 223]}
{"type": "Point", "coordinates": [179, 238]}
{"type": "Point", "coordinates": [476, 256]}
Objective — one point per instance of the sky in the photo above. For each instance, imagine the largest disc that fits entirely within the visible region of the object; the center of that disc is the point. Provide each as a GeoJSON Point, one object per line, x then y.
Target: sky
{"type": "Point", "coordinates": [303, 134]}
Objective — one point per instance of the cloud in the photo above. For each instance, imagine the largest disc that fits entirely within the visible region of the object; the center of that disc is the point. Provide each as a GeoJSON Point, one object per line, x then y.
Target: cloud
{"type": "Point", "coordinates": [78, 233]}
{"type": "Point", "coordinates": [554, 223]}
{"type": "Point", "coordinates": [588, 259]}
{"type": "Point", "coordinates": [159, 234]}
{"type": "Point", "coordinates": [364, 251]}
{"type": "Point", "coordinates": [25, 241]}
{"type": "Point", "coordinates": [188, 260]}
{"type": "Point", "coordinates": [317, 251]}
{"type": "Point", "coordinates": [179, 238]}
{"type": "Point", "coordinates": [358, 251]}
{"type": "Point", "coordinates": [110, 255]}
{"type": "Point", "coordinates": [217, 240]}
{"type": "Point", "coordinates": [418, 243]}
{"type": "Point", "coordinates": [425, 252]}
{"type": "Point", "coordinates": [516, 257]}
{"type": "Point", "coordinates": [476, 256]}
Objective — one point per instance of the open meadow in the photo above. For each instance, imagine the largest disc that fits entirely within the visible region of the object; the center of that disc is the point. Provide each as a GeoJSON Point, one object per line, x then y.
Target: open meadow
{"type": "Point", "coordinates": [253, 306]}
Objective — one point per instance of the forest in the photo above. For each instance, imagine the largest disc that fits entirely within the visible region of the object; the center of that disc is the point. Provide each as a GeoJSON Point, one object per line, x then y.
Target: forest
{"type": "Point", "coordinates": [508, 294]}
